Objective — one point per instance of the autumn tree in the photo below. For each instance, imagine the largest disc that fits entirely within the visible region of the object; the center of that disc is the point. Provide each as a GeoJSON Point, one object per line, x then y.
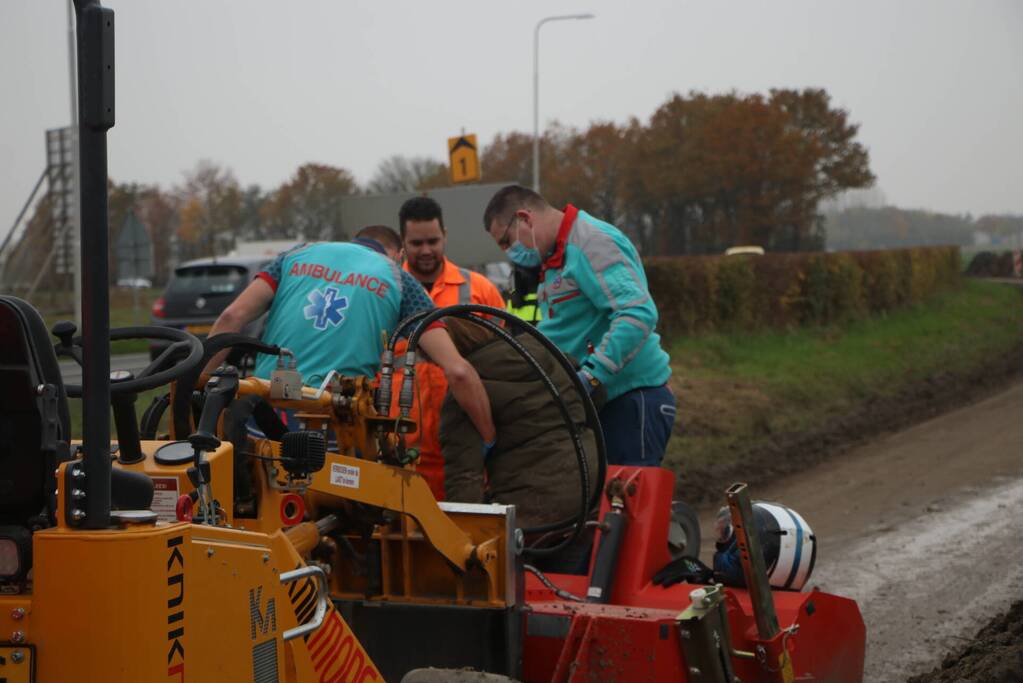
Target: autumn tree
{"type": "Point", "coordinates": [24, 258]}
{"type": "Point", "coordinates": [158, 212]}
{"type": "Point", "coordinates": [251, 224]}
{"type": "Point", "coordinates": [308, 206]}
{"type": "Point", "coordinates": [122, 199]}
{"type": "Point", "coordinates": [509, 158]}
{"type": "Point", "coordinates": [714, 171]}
{"type": "Point", "coordinates": [210, 214]}
{"type": "Point", "coordinates": [588, 168]}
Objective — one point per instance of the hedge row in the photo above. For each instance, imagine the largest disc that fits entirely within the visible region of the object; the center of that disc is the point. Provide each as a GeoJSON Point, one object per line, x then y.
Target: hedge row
{"type": "Point", "coordinates": [702, 293]}
{"type": "Point", "coordinates": [992, 264]}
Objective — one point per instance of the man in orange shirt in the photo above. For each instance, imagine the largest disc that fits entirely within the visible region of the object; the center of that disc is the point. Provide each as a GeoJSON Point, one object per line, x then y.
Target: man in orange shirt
{"type": "Point", "coordinates": [423, 239]}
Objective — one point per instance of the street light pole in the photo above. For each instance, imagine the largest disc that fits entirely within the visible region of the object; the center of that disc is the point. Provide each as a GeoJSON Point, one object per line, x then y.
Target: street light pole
{"type": "Point", "coordinates": [536, 90]}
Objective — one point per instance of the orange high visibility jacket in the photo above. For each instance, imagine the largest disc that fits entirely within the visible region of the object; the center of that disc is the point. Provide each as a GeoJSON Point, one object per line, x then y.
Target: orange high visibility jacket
{"type": "Point", "coordinates": [454, 286]}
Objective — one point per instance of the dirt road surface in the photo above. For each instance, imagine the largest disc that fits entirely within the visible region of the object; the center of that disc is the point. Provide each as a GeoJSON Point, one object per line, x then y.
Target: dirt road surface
{"type": "Point", "coordinates": [922, 528]}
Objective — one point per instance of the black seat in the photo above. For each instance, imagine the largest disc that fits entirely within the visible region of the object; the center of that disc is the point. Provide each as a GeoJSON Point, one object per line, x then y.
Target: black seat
{"type": "Point", "coordinates": [34, 429]}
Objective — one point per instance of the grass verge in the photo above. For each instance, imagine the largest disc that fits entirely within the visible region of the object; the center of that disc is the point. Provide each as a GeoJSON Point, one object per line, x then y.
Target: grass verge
{"type": "Point", "coordinates": [143, 401]}
{"type": "Point", "coordinates": [128, 308]}
{"type": "Point", "coordinates": [740, 394]}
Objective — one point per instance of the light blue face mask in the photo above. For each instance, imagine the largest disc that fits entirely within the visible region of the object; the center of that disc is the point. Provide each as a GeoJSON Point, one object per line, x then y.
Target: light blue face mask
{"type": "Point", "coordinates": [523, 256]}
{"type": "Point", "coordinates": [520, 254]}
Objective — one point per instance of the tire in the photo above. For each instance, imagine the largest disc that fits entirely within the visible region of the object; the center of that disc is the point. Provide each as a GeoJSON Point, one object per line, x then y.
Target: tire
{"type": "Point", "coordinates": [684, 532]}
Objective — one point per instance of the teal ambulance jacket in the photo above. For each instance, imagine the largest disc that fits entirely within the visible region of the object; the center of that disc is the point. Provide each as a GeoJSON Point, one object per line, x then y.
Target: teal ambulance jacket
{"type": "Point", "coordinates": [597, 306]}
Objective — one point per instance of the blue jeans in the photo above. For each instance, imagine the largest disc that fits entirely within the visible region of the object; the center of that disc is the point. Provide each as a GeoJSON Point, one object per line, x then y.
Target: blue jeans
{"type": "Point", "coordinates": [637, 426]}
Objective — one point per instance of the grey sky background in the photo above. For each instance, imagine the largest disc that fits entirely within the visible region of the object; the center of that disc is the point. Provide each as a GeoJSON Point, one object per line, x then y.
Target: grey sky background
{"type": "Point", "coordinates": [263, 87]}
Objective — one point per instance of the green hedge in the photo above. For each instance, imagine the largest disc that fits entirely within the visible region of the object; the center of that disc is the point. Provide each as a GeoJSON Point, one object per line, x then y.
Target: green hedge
{"type": "Point", "coordinates": [701, 293]}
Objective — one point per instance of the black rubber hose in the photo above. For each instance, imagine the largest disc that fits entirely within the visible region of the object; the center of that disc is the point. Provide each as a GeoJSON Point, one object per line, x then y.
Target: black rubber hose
{"type": "Point", "coordinates": [181, 407]}
{"type": "Point", "coordinates": [463, 311]}
{"type": "Point", "coordinates": [591, 413]}
{"type": "Point", "coordinates": [425, 318]}
{"type": "Point", "coordinates": [578, 522]}
{"type": "Point", "coordinates": [415, 317]}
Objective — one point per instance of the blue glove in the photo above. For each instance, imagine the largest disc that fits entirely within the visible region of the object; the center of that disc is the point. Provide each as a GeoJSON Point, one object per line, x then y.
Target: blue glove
{"type": "Point", "coordinates": [488, 448]}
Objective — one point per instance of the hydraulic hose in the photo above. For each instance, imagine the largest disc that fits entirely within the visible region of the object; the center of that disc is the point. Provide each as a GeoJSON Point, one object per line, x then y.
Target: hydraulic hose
{"type": "Point", "coordinates": [425, 318]}
{"type": "Point", "coordinates": [466, 311]}
{"type": "Point", "coordinates": [462, 311]}
{"type": "Point", "coordinates": [580, 451]}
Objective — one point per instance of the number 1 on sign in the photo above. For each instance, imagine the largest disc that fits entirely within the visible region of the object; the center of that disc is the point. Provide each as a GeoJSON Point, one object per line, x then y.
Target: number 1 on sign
{"type": "Point", "coordinates": [464, 163]}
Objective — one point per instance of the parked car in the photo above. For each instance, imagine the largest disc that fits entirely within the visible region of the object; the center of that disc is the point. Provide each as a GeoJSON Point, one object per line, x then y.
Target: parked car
{"type": "Point", "coordinates": [199, 291]}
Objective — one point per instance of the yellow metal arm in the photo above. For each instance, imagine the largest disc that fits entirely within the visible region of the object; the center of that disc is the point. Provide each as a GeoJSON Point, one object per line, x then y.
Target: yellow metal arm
{"type": "Point", "coordinates": [397, 489]}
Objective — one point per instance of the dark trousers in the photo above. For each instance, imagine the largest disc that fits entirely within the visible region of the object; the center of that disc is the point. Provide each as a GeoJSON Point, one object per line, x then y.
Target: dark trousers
{"type": "Point", "coordinates": [637, 426]}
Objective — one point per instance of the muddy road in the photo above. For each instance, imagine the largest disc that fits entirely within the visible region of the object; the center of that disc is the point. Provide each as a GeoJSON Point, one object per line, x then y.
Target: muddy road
{"type": "Point", "coordinates": [924, 528]}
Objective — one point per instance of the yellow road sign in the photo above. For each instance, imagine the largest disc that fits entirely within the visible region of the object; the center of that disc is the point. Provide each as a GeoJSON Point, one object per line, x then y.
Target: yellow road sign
{"type": "Point", "coordinates": [464, 160]}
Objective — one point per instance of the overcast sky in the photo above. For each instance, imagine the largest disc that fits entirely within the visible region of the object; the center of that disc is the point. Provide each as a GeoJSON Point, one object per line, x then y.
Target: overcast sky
{"type": "Point", "coordinates": [263, 87]}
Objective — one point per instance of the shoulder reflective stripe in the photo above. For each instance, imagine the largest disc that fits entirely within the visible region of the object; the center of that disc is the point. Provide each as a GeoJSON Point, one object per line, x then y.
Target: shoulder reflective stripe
{"type": "Point", "coordinates": [608, 364]}
{"type": "Point", "coordinates": [465, 289]}
{"type": "Point", "coordinates": [639, 346]}
{"type": "Point", "coordinates": [598, 247]}
{"type": "Point", "coordinates": [615, 304]}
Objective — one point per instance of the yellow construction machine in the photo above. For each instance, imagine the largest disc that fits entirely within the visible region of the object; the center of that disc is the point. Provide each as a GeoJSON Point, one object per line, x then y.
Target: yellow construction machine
{"type": "Point", "coordinates": [240, 551]}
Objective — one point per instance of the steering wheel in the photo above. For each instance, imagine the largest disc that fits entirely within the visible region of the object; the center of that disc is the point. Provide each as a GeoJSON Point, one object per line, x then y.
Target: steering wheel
{"type": "Point", "coordinates": [151, 376]}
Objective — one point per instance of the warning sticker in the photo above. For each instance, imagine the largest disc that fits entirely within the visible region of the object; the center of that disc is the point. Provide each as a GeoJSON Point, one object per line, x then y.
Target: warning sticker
{"type": "Point", "coordinates": [344, 475]}
{"type": "Point", "coordinates": [165, 498]}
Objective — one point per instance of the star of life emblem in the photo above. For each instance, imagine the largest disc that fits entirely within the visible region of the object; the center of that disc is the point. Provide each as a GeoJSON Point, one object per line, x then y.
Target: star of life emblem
{"type": "Point", "coordinates": [325, 308]}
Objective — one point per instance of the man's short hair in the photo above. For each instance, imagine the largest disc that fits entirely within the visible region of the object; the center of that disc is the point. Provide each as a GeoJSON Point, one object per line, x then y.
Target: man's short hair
{"type": "Point", "coordinates": [419, 209]}
{"type": "Point", "coordinates": [382, 234]}
{"type": "Point", "coordinates": [509, 199]}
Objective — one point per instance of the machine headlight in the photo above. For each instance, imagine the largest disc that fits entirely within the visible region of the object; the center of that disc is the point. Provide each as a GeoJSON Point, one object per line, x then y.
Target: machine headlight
{"type": "Point", "coordinates": [15, 553]}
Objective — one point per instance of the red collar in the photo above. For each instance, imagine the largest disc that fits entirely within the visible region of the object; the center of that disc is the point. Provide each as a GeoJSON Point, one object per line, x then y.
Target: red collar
{"type": "Point", "coordinates": [557, 259]}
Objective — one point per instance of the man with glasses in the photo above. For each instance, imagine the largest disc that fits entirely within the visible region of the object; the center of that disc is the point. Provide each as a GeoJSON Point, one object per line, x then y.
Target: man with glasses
{"type": "Point", "coordinates": [596, 307]}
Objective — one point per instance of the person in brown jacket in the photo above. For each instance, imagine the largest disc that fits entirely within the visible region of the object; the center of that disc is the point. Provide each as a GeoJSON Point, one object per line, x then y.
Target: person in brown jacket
{"type": "Point", "coordinates": [533, 464]}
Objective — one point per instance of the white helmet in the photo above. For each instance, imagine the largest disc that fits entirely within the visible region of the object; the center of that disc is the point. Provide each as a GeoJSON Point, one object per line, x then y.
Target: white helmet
{"type": "Point", "coordinates": [787, 541]}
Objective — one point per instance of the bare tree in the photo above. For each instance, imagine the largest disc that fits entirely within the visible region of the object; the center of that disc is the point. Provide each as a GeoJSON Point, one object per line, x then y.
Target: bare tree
{"type": "Point", "coordinates": [405, 174]}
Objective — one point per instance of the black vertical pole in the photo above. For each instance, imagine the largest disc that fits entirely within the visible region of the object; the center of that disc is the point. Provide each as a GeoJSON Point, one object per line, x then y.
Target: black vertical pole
{"type": "Point", "coordinates": [95, 117]}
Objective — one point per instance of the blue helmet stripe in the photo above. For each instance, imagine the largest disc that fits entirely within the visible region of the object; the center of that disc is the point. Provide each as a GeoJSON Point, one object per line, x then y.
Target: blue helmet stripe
{"type": "Point", "coordinates": [799, 547]}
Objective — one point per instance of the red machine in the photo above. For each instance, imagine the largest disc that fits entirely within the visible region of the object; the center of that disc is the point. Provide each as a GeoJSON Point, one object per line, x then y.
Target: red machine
{"type": "Point", "coordinates": [646, 632]}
